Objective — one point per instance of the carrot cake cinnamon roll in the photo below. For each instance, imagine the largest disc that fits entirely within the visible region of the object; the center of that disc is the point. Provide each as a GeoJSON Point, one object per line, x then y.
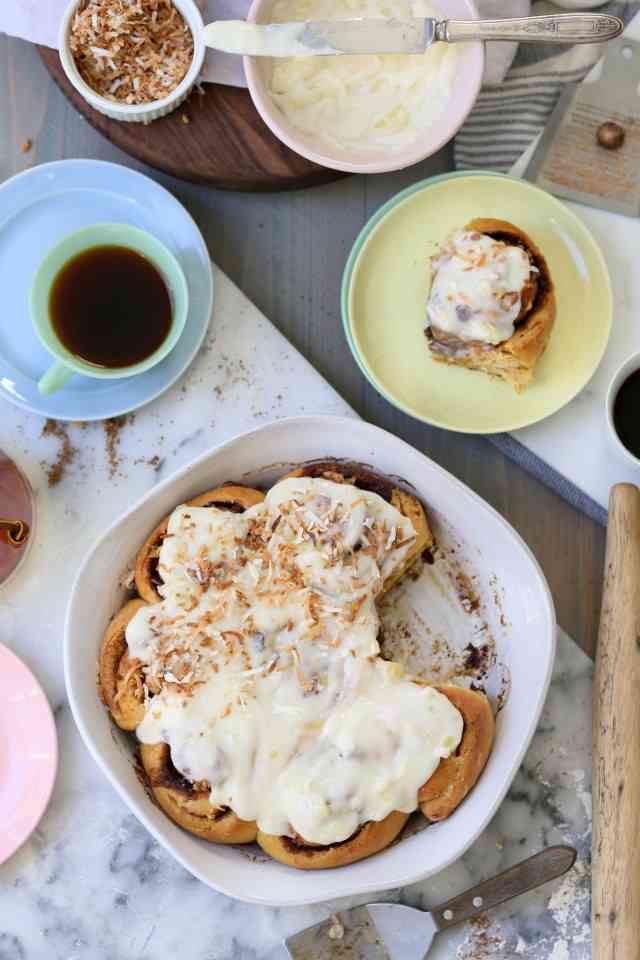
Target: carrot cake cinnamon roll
{"type": "Point", "coordinates": [492, 304]}
{"type": "Point", "coordinates": [121, 681]}
{"type": "Point", "coordinates": [148, 577]}
{"type": "Point", "coordinates": [457, 774]}
{"type": "Point", "coordinates": [368, 839]}
{"type": "Point", "coordinates": [254, 682]}
{"type": "Point", "coordinates": [188, 804]}
{"type": "Point", "coordinates": [408, 505]}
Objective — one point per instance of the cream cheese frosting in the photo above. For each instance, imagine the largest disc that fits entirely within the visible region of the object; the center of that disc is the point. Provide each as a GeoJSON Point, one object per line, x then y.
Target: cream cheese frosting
{"type": "Point", "coordinates": [257, 40]}
{"type": "Point", "coordinates": [263, 659]}
{"type": "Point", "coordinates": [366, 102]}
{"type": "Point", "coordinates": [477, 287]}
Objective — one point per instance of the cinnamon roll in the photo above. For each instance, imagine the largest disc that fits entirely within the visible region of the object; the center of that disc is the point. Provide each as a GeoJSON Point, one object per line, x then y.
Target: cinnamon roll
{"type": "Point", "coordinates": [188, 804]}
{"type": "Point", "coordinates": [492, 304]}
{"type": "Point", "coordinates": [121, 680]}
{"type": "Point", "coordinates": [458, 773]}
{"type": "Point", "coordinates": [147, 575]}
{"type": "Point", "coordinates": [365, 479]}
{"type": "Point", "coordinates": [368, 839]}
{"type": "Point", "coordinates": [253, 679]}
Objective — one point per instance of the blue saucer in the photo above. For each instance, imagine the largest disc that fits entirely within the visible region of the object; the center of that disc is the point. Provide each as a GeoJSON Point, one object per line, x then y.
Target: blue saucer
{"type": "Point", "coordinates": [39, 207]}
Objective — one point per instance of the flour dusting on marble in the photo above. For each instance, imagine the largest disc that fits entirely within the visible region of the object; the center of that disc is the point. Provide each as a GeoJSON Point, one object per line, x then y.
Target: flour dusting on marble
{"type": "Point", "coordinates": [569, 906]}
{"type": "Point", "coordinates": [485, 941]}
{"type": "Point", "coordinates": [560, 951]}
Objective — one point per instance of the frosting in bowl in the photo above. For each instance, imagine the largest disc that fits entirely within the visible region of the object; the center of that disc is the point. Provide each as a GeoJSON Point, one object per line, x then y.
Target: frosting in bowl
{"type": "Point", "coordinates": [364, 102]}
{"type": "Point", "coordinates": [263, 662]}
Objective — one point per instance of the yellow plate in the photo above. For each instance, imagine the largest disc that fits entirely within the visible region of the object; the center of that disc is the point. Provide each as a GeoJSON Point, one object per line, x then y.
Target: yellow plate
{"type": "Point", "coordinates": [385, 288]}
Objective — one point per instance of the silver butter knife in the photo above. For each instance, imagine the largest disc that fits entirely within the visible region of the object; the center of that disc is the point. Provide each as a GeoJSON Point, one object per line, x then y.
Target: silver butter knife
{"type": "Point", "coordinates": [391, 931]}
{"type": "Point", "coordinates": [412, 35]}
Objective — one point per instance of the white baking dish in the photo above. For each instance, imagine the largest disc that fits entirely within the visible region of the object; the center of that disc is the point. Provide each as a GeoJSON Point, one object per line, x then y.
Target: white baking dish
{"type": "Point", "coordinates": [512, 589]}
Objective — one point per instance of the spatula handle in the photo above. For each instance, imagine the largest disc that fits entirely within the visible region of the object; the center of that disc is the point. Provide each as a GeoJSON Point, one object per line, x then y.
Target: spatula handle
{"type": "Point", "coordinates": [615, 913]}
{"type": "Point", "coordinates": [546, 865]}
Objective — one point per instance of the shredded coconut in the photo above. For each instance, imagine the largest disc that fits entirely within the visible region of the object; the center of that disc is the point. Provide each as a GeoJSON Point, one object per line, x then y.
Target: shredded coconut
{"type": "Point", "coordinates": [131, 51]}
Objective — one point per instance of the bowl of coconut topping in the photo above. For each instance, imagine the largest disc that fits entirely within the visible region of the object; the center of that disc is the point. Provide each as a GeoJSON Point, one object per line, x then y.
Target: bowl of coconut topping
{"type": "Point", "coordinates": [366, 113]}
{"type": "Point", "coordinates": [132, 60]}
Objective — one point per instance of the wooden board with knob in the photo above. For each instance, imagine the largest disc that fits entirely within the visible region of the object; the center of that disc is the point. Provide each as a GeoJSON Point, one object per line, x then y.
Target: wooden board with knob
{"type": "Point", "coordinates": [216, 137]}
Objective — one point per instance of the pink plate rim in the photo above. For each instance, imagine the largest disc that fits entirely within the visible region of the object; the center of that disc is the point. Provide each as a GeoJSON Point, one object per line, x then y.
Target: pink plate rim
{"type": "Point", "coordinates": [28, 753]}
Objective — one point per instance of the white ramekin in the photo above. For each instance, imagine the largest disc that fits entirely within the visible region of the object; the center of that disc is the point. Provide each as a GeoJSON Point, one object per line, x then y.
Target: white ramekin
{"type": "Point", "coordinates": [135, 113]}
{"type": "Point", "coordinates": [630, 365]}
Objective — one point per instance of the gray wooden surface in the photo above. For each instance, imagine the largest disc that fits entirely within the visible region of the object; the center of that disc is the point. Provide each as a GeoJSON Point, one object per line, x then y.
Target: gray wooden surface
{"type": "Point", "coordinates": [287, 252]}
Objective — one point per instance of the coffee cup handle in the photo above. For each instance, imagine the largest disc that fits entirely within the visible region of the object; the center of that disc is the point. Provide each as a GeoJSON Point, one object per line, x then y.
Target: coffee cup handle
{"type": "Point", "coordinates": [55, 377]}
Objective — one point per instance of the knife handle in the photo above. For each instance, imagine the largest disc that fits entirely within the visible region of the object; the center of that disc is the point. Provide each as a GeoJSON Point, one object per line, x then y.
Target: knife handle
{"type": "Point", "coordinates": [615, 911]}
{"type": "Point", "coordinates": [560, 28]}
{"type": "Point", "coordinates": [544, 866]}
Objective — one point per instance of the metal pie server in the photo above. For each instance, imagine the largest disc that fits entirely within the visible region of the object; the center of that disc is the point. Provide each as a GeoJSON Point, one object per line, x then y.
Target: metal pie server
{"type": "Point", "coordinates": [391, 931]}
{"type": "Point", "coordinates": [410, 35]}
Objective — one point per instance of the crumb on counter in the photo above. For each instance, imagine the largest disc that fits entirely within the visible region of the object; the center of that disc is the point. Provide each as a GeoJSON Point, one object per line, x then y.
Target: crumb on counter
{"type": "Point", "coordinates": [112, 434]}
{"type": "Point", "coordinates": [131, 51]}
{"type": "Point", "coordinates": [26, 145]}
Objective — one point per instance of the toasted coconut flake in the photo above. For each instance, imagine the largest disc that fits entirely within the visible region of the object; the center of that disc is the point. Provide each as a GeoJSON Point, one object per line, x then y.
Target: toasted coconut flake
{"type": "Point", "coordinates": [131, 52]}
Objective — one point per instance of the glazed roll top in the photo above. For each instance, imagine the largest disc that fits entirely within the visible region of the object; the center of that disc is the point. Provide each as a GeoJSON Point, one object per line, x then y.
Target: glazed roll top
{"type": "Point", "coordinates": [264, 649]}
{"type": "Point", "coordinates": [479, 287]}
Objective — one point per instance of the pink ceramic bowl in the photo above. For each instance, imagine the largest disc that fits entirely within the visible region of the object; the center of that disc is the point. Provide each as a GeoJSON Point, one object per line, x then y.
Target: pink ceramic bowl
{"type": "Point", "coordinates": [470, 65]}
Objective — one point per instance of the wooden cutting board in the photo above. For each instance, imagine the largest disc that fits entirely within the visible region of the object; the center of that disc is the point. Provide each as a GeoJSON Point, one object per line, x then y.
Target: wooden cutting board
{"type": "Point", "coordinates": [225, 142]}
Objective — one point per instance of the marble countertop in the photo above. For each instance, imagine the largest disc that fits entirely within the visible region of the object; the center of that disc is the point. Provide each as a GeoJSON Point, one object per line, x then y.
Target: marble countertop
{"type": "Point", "coordinates": [91, 883]}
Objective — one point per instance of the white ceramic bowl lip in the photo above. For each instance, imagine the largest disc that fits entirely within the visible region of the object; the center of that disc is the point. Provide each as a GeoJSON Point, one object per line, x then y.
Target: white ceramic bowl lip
{"type": "Point", "coordinates": [446, 126]}
{"type": "Point", "coordinates": [630, 365]}
{"type": "Point", "coordinates": [266, 891]}
{"type": "Point", "coordinates": [137, 111]}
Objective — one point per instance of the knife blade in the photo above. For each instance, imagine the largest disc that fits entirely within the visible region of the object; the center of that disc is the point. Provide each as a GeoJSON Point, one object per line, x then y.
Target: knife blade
{"type": "Point", "coordinates": [321, 37]}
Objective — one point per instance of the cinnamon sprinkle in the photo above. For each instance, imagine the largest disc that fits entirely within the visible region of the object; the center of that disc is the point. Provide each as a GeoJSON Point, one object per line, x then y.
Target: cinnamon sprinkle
{"type": "Point", "coordinates": [112, 430]}
{"type": "Point", "coordinates": [66, 452]}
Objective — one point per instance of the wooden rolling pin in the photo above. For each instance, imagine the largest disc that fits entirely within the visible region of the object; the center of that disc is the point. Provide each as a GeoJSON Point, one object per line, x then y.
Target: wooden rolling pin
{"type": "Point", "coordinates": [615, 913]}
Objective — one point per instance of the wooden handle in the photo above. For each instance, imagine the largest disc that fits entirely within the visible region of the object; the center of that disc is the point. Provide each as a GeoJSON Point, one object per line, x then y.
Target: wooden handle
{"type": "Point", "coordinates": [524, 876]}
{"type": "Point", "coordinates": [615, 914]}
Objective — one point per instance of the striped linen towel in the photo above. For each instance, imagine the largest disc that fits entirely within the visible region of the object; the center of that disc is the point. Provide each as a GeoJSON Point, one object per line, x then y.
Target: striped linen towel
{"type": "Point", "coordinates": [518, 97]}
{"type": "Point", "coordinates": [516, 100]}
